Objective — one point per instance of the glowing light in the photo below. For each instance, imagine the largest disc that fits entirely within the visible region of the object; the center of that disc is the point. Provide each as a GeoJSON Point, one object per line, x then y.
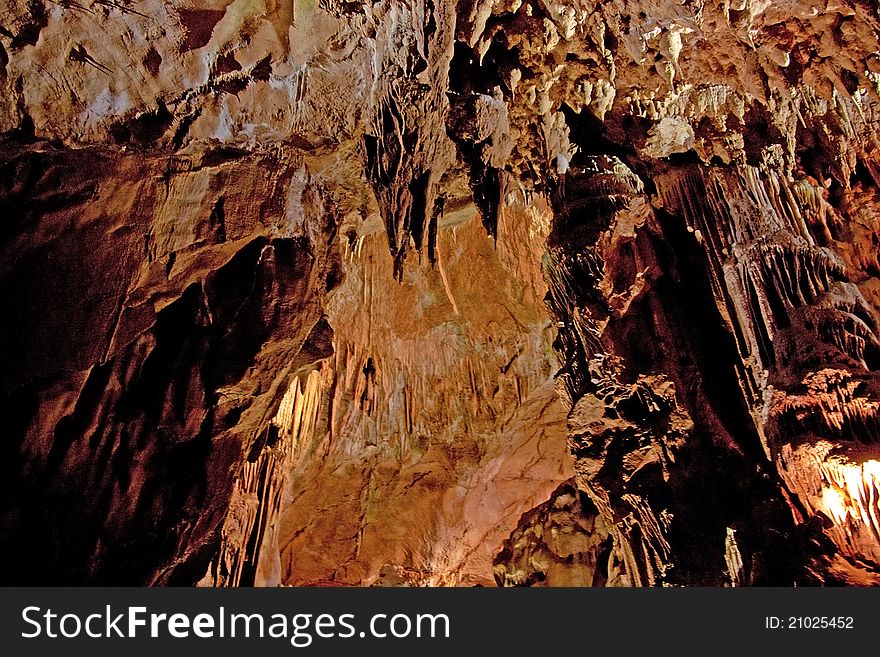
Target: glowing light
{"type": "Point", "coordinates": [834, 502]}
{"type": "Point", "coordinates": [853, 492]}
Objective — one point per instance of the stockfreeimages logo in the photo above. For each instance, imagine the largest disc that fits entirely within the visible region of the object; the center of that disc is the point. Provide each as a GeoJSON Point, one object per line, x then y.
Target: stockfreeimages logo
{"type": "Point", "coordinates": [300, 629]}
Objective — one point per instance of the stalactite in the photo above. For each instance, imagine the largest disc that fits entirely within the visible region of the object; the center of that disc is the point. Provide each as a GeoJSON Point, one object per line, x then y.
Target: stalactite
{"type": "Point", "coordinates": [260, 486]}
{"type": "Point", "coordinates": [198, 226]}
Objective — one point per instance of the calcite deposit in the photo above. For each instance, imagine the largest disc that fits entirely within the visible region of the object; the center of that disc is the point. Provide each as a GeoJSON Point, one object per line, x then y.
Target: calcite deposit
{"type": "Point", "coordinates": [409, 292]}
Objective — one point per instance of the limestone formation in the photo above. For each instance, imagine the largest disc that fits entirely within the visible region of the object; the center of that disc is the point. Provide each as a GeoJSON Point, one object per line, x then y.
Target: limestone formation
{"type": "Point", "coordinates": [409, 292]}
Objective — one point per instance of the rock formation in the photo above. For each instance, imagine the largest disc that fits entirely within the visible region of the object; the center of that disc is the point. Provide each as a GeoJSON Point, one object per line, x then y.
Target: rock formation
{"type": "Point", "coordinates": [411, 292]}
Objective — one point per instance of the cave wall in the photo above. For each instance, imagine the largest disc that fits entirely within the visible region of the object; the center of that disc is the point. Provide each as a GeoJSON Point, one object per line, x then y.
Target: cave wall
{"type": "Point", "coordinates": [142, 352]}
{"type": "Point", "coordinates": [275, 274]}
{"type": "Point", "coordinates": [443, 423]}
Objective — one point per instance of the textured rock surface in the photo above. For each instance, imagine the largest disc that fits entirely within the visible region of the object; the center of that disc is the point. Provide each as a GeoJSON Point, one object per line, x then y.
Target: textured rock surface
{"type": "Point", "coordinates": [563, 542]}
{"type": "Point", "coordinates": [443, 421]}
{"type": "Point", "coordinates": [273, 276]}
{"type": "Point", "coordinates": [139, 353]}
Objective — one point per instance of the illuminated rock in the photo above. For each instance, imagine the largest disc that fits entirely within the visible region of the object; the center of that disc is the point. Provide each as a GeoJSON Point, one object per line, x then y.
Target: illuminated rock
{"type": "Point", "coordinates": [274, 279]}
